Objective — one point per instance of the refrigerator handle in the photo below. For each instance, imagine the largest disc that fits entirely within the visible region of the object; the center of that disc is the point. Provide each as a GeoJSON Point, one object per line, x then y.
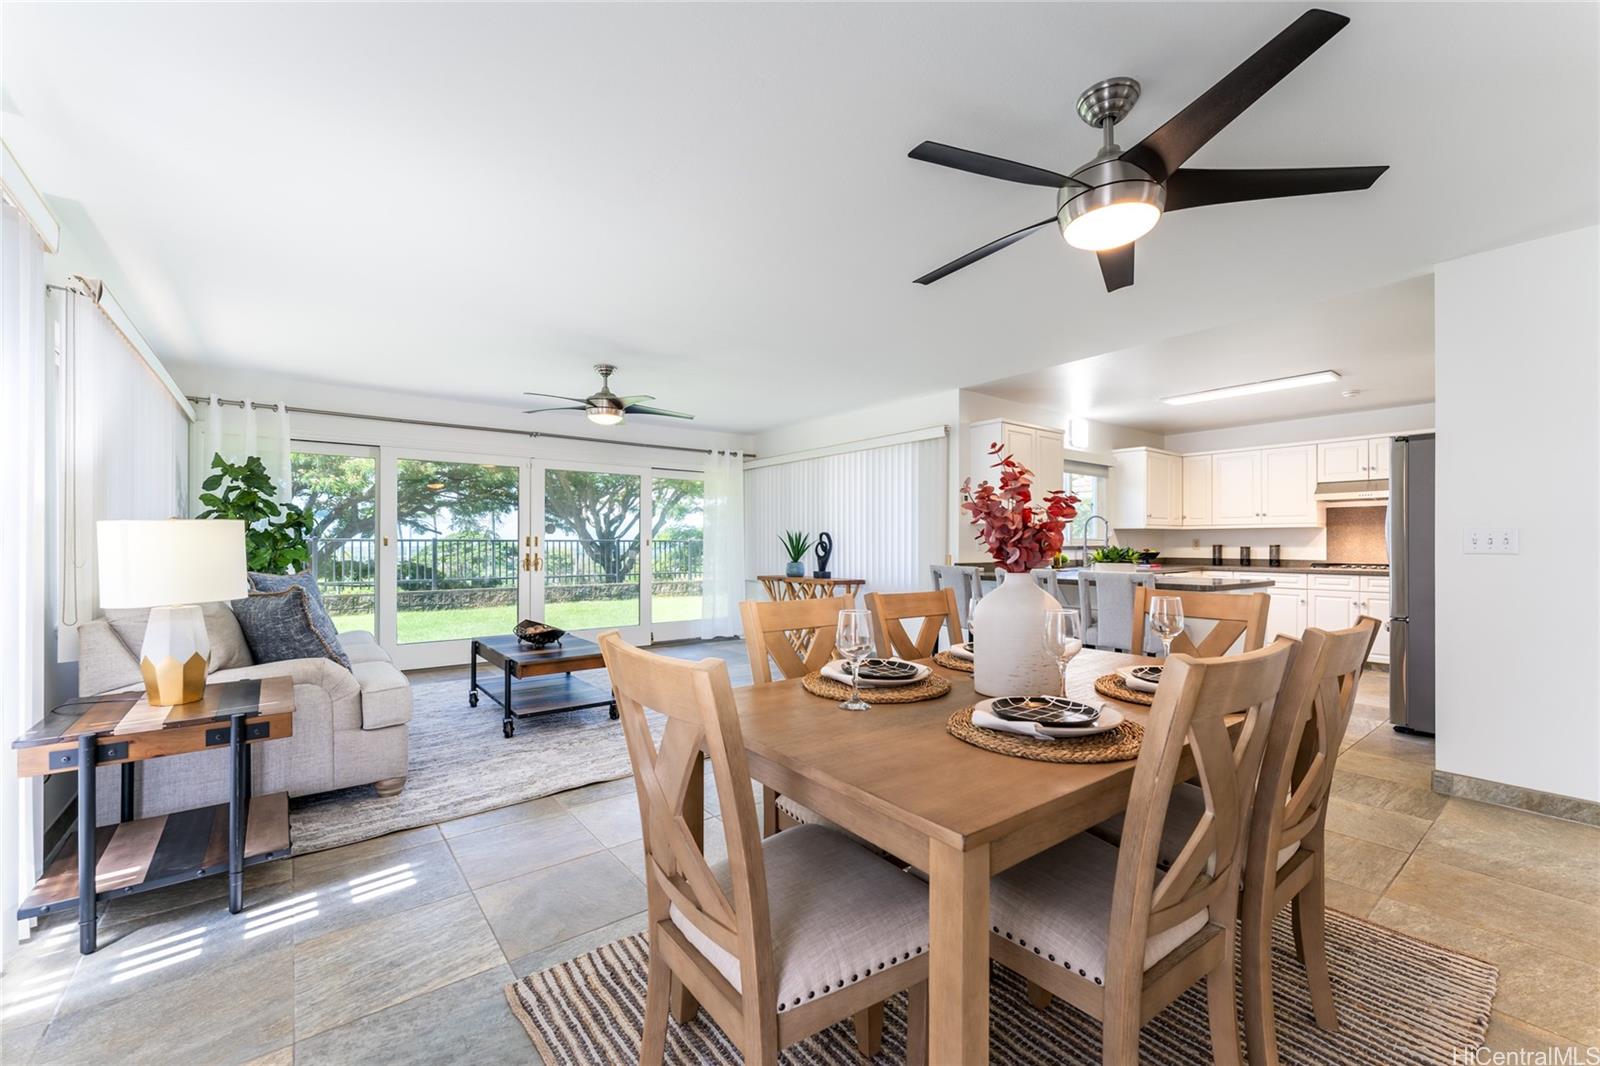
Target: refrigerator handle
{"type": "Point", "coordinates": [1396, 533]}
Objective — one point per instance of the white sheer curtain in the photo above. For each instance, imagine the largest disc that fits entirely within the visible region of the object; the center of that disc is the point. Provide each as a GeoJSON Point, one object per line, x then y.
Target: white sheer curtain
{"type": "Point", "coordinates": [723, 584]}
{"type": "Point", "coordinates": [236, 433]}
{"type": "Point", "coordinates": [125, 450]}
{"type": "Point", "coordinates": [23, 403]}
{"type": "Point", "coordinates": [885, 508]}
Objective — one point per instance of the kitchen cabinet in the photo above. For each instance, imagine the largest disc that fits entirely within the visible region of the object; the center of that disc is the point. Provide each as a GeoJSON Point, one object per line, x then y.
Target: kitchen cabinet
{"type": "Point", "coordinates": [1288, 486]}
{"type": "Point", "coordinates": [1366, 459]}
{"type": "Point", "coordinates": [1039, 448]}
{"type": "Point", "coordinates": [1330, 610]}
{"type": "Point", "coordinates": [1196, 509]}
{"type": "Point", "coordinates": [1146, 489]}
{"type": "Point", "coordinates": [1236, 489]}
{"type": "Point", "coordinates": [1378, 458]}
{"type": "Point", "coordinates": [1373, 600]}
{"type": "Point", "coordinates": [1286, 613]}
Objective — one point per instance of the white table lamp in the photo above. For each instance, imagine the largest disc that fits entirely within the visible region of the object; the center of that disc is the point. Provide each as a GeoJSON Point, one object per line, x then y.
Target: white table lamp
{"type": "Point", "coordinates": [172, 566]}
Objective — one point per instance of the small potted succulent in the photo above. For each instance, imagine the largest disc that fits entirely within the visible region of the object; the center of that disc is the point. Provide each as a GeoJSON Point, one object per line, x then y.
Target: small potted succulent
{"type": "Point", "coordinates": [795, 545]}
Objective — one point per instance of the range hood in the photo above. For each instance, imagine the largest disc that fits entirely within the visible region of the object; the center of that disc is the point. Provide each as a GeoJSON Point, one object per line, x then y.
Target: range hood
{"type": "Point", "coordinates": [1353, 491]}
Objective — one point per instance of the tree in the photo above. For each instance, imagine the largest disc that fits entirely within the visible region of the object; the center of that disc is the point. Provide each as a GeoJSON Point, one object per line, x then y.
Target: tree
{"type": "Point", "coordinates": [602, 512]}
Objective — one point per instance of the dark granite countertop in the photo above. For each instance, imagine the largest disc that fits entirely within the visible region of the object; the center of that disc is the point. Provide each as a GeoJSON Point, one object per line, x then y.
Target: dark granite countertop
{"type": "Point", "coordinates": [1185, 583]}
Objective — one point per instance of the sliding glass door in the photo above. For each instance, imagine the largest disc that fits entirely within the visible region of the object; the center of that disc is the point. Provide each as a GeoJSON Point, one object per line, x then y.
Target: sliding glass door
{"type": "Point", "coordinates": [676, 547]}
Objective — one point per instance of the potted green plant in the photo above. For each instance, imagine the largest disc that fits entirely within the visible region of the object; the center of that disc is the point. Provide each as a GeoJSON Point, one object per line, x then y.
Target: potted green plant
{"type": "Point", "coordinates": [1113, 557]}
{"type": "Point", "coordinates": [274, 533]}
{"type": "Point", "coordinates": [795, 545]}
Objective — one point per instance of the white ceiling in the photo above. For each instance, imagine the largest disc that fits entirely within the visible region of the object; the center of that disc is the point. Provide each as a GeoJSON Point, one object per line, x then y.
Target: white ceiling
{"type": "Point", "coordinates": [474, 200]}
{"type": "Point", "coordinates": [1380, 342]}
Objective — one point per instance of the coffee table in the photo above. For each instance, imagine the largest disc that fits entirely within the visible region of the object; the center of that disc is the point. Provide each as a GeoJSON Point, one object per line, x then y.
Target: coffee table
{"type": "Point", "coordinates": [539, 680]}
{"type": "Point", "coordinates": [140, 854]}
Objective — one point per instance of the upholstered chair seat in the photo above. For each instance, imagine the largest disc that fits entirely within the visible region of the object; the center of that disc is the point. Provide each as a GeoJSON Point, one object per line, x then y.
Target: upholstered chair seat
{"type": "Point", "coordinates": [1058, 906]}
{"type": "Point", "coordinates": [839, 914]}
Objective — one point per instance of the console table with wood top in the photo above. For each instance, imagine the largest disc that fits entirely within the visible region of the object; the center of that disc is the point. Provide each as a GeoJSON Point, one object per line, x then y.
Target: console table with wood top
{"type": "Point", "coordinates": [141, 854]}
{"type": "Point", "coordinates": [780, 587]}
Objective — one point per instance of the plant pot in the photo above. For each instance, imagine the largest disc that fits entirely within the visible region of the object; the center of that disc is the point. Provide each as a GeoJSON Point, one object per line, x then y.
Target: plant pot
{"type": "Point", "coordinates": [794, 569]}
{"type": "Point", "coordinates": [1009, 657]}
{"type": "Point", "coordinates": [1121, 568]}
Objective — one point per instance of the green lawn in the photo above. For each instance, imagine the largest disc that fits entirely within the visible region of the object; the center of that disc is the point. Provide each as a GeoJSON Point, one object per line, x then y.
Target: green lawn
{"type": "Point", "coordinates": [417, 627]}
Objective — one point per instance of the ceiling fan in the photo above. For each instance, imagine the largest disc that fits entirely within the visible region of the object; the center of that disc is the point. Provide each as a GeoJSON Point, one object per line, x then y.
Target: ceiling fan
{"type": "Point", "coordinates": [1119, 196]}
{"type": "Point", "coordinates": [605, 408]}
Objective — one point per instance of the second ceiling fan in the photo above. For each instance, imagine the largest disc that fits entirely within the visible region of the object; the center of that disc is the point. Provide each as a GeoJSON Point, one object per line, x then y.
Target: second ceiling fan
{"type": "Point", "coordinates": [1118, 196]}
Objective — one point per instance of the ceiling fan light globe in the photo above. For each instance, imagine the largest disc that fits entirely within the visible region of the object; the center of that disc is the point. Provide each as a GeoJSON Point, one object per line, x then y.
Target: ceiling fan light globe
{"type": "Point", "coordinates": [1099, 228]}
{"type": "Point", "coordinates": [604, 416]}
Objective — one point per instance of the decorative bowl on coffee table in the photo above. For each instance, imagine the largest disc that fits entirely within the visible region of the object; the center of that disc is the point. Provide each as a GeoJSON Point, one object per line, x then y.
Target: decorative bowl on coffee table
{"type": "Point", "coordinates": [538, 634]}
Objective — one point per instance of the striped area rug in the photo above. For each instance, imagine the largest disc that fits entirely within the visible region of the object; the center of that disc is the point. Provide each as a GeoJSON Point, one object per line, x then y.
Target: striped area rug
{"type": "Point", "coordinates": [1400, 1000]}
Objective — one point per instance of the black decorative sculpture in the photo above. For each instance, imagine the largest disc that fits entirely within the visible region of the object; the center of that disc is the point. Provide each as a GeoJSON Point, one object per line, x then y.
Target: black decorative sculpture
{"type": "Point", "coordinates": [824, 553]}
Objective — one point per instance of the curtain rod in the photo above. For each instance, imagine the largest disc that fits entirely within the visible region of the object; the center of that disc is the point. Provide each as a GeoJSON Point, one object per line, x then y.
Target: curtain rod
{"type": "Point", "coordinates": [460, 425]}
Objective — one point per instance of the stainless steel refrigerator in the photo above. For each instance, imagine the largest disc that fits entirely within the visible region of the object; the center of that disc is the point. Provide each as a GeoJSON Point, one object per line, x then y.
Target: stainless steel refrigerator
{"type": "Point", "coordinates": [1411, 629]}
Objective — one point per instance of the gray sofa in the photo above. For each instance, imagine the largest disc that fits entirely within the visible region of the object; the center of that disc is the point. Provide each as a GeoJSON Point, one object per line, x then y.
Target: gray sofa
{"type": "Point", "coordinates": [350, 726]}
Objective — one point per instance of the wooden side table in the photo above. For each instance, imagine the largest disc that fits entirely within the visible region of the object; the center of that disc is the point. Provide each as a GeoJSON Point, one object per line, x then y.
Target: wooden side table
{"type": "Point", "coordinates": [141, 854]}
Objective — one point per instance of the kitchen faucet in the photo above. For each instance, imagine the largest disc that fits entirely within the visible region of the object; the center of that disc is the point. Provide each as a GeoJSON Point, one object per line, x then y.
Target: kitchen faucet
{"type": "Point", "coordinates": [1087, 522]}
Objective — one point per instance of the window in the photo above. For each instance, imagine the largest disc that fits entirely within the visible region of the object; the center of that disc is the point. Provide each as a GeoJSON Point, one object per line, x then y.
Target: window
{"type": "Point", "coordinates": [1087, 481]}
{"type": "Point", "coordinates": [340, 493]}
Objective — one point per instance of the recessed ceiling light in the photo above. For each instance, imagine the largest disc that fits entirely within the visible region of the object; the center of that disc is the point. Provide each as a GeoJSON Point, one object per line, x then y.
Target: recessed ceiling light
{"type": "Point", "coordinates": [1321, 377]}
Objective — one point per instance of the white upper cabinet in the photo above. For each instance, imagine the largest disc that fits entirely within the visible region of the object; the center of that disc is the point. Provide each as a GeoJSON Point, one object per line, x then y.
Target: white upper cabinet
{"type": "Point", "coordinates": [1196, 509]}
{"type": "Point", "coordinates": [1236, 489]}
{"type": "Point", "coordinates": [1146, 489]}
{"type": "Point", "coordinates": [1039, 448]}
{"type": "Point", "coordinates": [1378, 457]}
{"type": "Point", "coordinates": [1343, 460]}
{"type": "Point", "coordinates": [1288, 486]}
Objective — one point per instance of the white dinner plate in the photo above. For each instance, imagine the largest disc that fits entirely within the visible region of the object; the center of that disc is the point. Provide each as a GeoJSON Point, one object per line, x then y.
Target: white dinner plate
{"type": "Point", "coordinates": [1126, 673]}
{"type": "Point", "coordinates": [835, 671]}
{"type": "Point", "coordinates": [984, 718]}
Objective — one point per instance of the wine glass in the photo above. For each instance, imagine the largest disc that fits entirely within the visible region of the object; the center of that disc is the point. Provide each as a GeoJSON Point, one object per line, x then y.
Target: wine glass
{"type": "Point", "coordinates": [972, 620]}
{"type": "Point", "coordinates": [853, 639]}
{"type": "Point", "coordinates": [1062, 640]}
{"type": "Point", "coordinates": [1166, 618]}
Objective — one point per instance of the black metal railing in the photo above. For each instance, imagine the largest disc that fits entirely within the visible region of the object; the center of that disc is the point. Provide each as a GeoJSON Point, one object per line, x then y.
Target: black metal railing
{"type": "Point", "coordinates": [346, 568]}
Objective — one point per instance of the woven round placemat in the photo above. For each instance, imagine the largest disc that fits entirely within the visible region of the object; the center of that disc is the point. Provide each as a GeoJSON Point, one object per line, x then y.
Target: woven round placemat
{"type": "Point", "coordinates": [929, 688]}
{"type": "Point", "coordinates": [1114, 745]}
{"type": "Point", "coordinates": [1112, 687]}
{"type": "Point", "coordinates": [952, 662]}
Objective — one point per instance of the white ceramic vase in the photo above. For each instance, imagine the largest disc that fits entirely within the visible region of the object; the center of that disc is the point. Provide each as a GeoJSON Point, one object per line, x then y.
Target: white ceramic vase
{"type": "Point", "coordinates": [1008, 628]}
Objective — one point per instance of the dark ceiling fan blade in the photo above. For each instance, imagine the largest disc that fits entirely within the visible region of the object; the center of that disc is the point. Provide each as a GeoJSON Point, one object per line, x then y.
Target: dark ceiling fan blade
{"type": "Point", "coordinates": [542, 410]}
{"type": "Point", "coordinates": [989, 166]}
{"type": "Point", "coordinates": [641, 409]}
{"type": "Point", "coordinates": [1116, 266]}
{"type": "Point", "coordinates": [989, 249]}
{"type": "Point", "coordinates": [1165, 150]}
{"type": "Point", "coordinates": [553, 396]}
{"type": "Point", "coordinates": [1200, 188]}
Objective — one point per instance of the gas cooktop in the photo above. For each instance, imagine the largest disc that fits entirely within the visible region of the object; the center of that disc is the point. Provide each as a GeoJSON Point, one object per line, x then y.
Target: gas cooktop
{"type": "Point", "coordinates": [1371, 568]}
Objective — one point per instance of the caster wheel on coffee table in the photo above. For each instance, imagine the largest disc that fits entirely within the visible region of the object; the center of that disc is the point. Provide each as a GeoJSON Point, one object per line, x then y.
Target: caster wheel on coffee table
{"type": "Point", "coordinates": [508, 727]}
{"type": "Point", "coordinates": [472, 699]}
{"type": "Point", "coordinates": [614, 714]}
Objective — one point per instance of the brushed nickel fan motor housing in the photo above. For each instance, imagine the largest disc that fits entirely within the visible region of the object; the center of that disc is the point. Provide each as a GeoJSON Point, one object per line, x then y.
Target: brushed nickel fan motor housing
{"type": "Point", "coordinates": [1110, 181]}
{"type": "Point", "coordinates": [605, 401]}
{"type": "Point", "coordinates": [1108, 101]}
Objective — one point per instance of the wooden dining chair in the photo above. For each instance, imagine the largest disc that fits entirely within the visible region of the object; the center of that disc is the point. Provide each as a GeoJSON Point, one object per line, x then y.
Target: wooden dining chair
{"type": "Point", "coordinates": [1102, 927]}
{"type": "Point", "coordinates": [770, 628]}
{"type": "Point", "coordinates": [891, 610]}
{"type": "Point", "coordinates": [1236, 615]}
{"type": "Point", "coordinates": [791, 934]}
{"type": "Point", "coordinates": [1287, 857]}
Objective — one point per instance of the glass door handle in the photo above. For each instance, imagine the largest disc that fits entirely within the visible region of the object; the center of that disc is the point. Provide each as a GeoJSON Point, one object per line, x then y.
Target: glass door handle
{"type": "Point", "coordinates": [531, 561]}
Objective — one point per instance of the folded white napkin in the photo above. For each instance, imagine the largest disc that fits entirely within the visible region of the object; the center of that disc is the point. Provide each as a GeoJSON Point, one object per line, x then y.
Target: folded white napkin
{"type": "Point", "coordinates": [989, 720]}
{"type": "Point", "coordinates": [835, 671]}
{"type": "Point", "coordinates": [960, 651]}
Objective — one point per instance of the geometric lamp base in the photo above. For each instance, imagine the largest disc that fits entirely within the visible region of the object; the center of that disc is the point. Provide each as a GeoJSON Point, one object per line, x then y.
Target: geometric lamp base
{"type": "Point", "coordinates": [175, 655]}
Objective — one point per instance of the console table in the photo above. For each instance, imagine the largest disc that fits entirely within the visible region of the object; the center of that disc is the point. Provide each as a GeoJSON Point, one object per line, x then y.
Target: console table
{"type": "Point", "coordinates": [780, 587]}
{"type": "Point", "coordinates": [140, 854]}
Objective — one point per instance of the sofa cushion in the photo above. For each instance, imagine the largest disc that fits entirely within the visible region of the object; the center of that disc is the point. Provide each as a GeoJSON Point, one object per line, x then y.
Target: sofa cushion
{"type": "Point", "coordinates": [280, 625]}
{"type": "Point", "coordinates": [366, 653]}
{"type": "Point", "coordinates": [228, 648]}
{"type": "Point", "coordinates": [385, 694]}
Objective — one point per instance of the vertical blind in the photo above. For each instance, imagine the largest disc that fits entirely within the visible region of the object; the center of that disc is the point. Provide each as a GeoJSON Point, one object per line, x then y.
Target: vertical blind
{"type": "Point", "coordinates": [885, 507]}
{"type": "Point", "coordinates": [126, 449]}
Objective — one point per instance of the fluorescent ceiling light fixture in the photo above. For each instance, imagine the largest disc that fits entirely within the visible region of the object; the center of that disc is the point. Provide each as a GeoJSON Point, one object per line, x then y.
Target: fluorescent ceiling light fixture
{"type": "Point", "coordinates": [1321, 377]}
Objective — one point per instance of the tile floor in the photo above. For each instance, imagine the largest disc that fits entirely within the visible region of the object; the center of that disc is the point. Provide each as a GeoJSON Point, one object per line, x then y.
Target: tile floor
{"type": "Point", "coordinates": [395, 950]}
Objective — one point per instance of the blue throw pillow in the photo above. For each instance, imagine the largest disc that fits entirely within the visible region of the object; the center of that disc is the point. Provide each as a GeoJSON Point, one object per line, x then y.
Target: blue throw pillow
{"type": "Point", "coordinates": [303, 580]}
{"type": "Point", "coordinates": [281, 625]}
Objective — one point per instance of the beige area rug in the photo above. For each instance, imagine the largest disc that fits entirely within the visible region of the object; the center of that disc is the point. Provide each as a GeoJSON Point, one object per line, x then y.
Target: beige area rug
{"type": "Point", "coordinates": [460, 764]}
{"type": "Point", "coordinates": [1400, 1000]}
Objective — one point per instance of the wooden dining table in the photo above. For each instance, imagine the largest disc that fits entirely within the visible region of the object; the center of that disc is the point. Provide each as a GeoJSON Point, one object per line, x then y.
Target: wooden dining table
{"type": "Point", "coordinates": [895, 777]}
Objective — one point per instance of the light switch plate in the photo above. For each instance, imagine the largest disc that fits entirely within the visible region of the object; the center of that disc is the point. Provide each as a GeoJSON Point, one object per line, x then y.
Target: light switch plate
{"type": "Point", "coordinates": [1489, 542]}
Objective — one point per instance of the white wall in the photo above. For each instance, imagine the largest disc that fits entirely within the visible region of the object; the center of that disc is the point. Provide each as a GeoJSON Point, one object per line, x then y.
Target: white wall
{"type": "Point", "coordinates": [1518, 398]}
{"type": "Point", "coordinates": [1382, 421]}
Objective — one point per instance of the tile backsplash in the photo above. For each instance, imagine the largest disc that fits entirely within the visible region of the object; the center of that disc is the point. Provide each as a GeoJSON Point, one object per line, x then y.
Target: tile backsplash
{"type": "Point", "coordinates": [1355, 534]}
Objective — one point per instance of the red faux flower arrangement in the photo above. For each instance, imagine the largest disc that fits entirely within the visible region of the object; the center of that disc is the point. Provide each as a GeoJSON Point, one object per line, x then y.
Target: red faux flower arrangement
{"type": "Point", "coordinates": [1019, 536]}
